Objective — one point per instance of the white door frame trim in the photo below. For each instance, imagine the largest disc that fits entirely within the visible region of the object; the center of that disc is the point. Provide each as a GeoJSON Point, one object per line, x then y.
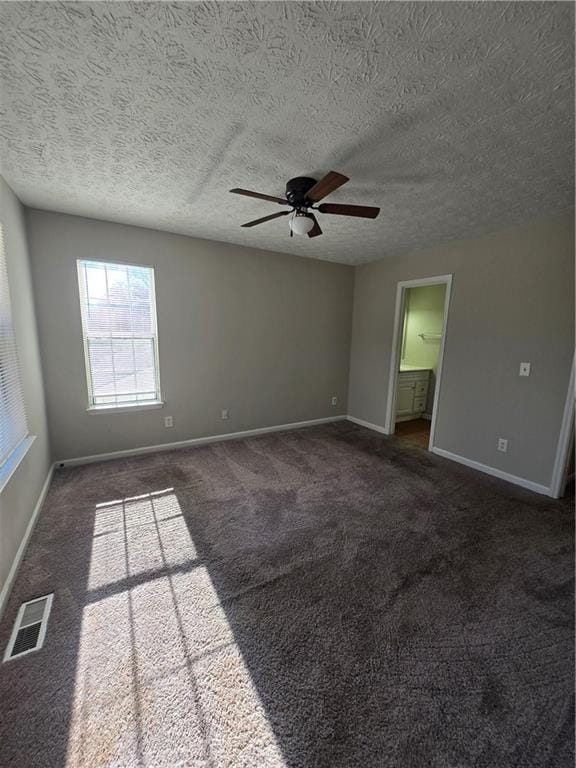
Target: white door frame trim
{"type": "Point", "coordinates": [564, 440]}
{"type": "Point", "coordinates": [389, 423]}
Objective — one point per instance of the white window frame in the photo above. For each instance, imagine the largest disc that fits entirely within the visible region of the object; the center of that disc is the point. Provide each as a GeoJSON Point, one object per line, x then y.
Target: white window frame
{"type": "Point", "coordinates": [123, 407]}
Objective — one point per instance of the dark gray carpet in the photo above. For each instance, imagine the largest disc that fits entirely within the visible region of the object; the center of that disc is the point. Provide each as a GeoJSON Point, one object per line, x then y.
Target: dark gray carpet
{"type": "Point", "coordinates": [326, 598]}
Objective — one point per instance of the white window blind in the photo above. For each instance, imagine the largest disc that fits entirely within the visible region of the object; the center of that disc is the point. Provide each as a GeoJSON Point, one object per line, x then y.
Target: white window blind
{"type": "Point", "coordinates": [120, 334]}
{"type": "Point", "coordinates": [13, 426]}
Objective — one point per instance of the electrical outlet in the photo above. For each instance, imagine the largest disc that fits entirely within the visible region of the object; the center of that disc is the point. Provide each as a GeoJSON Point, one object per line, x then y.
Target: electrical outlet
{"type": "Point", "coordinates": [225, 414]}
{"type": "Point", "coordinates": [502, 444]}
{"type": "Point", "coordinates": [334, 401]}
{"type": "Point", "coordinates": [524, 369]}
{"type": "Point", "coordinates": [168, 421]}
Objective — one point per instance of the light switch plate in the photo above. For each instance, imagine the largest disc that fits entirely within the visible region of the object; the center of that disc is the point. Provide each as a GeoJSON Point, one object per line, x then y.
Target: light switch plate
{"type": "Point", "coordinates": [524, 369]}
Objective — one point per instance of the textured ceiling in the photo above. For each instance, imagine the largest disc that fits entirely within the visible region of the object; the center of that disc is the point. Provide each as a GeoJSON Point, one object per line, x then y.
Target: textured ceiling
{"type": "Point", "coordinates": [455, 118]}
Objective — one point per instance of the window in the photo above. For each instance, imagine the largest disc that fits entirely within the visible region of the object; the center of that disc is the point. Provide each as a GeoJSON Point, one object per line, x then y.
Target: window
{"type": "Point", "coordinates": [13, 426]}
{"type": "Point", "coordinates": [118, 308]}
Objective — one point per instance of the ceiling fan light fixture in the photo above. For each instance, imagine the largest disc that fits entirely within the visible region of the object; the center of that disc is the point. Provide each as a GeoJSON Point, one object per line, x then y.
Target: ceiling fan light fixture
{"type": "Point", "coordinates": [301, 223]}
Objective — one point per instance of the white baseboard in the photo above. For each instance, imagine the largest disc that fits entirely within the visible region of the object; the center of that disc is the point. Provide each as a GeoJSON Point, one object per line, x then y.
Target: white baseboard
{"type": "Point", "coordinates": [7, 586]}
{"type": "Point", "coordinates": [366, 424]}
{"type": "Point", "coordinates": [193, 441]}
{"type": "Point", "coordinates": [531, 486]}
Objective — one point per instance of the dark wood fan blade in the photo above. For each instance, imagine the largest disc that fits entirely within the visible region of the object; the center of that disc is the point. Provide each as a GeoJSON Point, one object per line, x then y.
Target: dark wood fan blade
{"type": "Point", "coordinates": [265, 218]}
{"type": "Point", "coordinates": [328, 184]}
{"type": "Point", "coordinates": [315, 231]}
{"type": "Point", "coordinates": [249, 193]}
{"type": "Point", "coordinates": [363, 211]}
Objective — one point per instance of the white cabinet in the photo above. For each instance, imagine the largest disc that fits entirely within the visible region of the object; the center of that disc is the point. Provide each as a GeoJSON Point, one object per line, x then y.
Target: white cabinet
{"type": "Point", "coordinates": [411, 394]}
{"type": "Point", "coordinates": [404, 397]}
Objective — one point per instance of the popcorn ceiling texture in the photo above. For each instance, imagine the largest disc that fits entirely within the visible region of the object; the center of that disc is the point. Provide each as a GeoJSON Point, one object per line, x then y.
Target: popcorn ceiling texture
{"type": "Point", "coordinates": [455, 118]}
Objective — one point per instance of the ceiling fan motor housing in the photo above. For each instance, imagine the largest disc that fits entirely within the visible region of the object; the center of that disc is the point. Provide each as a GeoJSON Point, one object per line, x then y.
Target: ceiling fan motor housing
{"type": "Point", "coordinates": [297, 189]}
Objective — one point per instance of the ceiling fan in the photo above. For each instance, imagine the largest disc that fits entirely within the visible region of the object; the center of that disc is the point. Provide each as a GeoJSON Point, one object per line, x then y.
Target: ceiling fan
{"type": "Point", "coordinates": [301, 195]}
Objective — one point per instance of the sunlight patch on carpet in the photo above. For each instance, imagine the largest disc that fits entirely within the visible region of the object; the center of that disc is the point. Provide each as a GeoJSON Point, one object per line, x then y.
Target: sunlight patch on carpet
{"type": "Point", "coordinates": [159, 674]}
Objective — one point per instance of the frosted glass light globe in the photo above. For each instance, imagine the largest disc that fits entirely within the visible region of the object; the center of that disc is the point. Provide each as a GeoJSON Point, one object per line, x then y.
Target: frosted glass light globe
{"type": "Point", "coordinates": [301, 224]}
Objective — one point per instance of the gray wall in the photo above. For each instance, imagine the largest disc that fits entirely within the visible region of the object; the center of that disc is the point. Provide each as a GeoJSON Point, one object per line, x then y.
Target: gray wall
{"type": "Point", "coordinates": [264, 334]}
{"type": "Point", "coordinates": [19, 496]}
{"type": "Point", "coordinates": [512, 301]}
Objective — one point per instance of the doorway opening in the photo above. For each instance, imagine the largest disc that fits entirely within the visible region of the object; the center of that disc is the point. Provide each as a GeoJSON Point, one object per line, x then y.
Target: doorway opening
{"type": "Point", "coordinates": [564, 469]}
{"type": "Point", "coordinates": [417, 356]}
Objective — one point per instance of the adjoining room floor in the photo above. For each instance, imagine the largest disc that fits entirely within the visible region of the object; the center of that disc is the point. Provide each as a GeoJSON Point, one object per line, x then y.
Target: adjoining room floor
{"type": "Point", "coordinates": [415, 431]}
{"type": "Point", "coordinates": [321, 598]}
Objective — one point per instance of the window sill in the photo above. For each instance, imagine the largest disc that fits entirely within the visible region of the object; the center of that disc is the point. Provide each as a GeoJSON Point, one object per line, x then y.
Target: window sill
{"type": "Point", "coordinates": [125, 407]}
{"type": "Point", "coordinates": [13, 461]}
